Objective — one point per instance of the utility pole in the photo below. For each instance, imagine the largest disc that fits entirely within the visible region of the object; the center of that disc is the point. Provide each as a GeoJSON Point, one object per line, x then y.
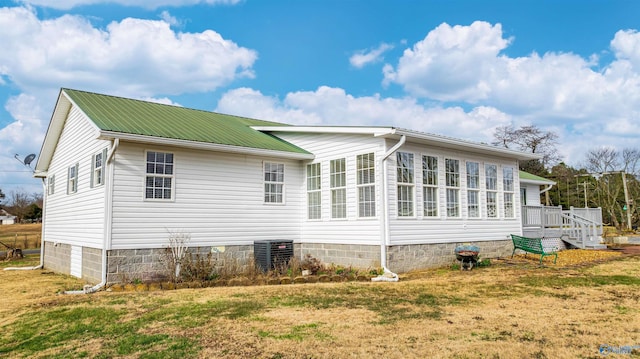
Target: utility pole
{"type": "Point", "coordinates": [626, 195]}
{"type": "Point", "coordinates": [626, 199]}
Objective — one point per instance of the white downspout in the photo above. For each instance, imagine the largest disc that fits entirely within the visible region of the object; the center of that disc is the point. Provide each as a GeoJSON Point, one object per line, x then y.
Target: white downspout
{"type": "Point", "coordinates": [388, 275]}
{"type": "Point", "coordinates": [44, 209]}
{"type": "Point", "coordinates": [108, 206]}
{"type": "Point", "coordinates": [546, 189]}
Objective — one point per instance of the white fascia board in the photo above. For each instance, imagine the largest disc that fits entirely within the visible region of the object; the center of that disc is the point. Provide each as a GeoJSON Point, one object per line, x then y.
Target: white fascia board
{"type": "Point", "coordinates": [54, 130]}
{"type": "Point", "coordinates": [450, 142]}
{"type": "Point", "coordinates": [375, 131]}
{"type": "Point", "coordinates": [108, 135]}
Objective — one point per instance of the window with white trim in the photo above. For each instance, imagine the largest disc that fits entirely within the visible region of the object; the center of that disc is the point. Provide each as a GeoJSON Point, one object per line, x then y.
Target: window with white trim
{"type": "Point", "coordinates": [430, 186]}
{"type": "Point", "coordinates": [473, 189]}
{"type": "Point", "coordinates": [51, 186]}
{"type": "Point", "coordinates": [405, 175]}
{"type": "Point", "coordinates": [338, 184]}
{"type": "Point", "coordinates": [508, 188]}
{"type": "Point", "coordinates": [72, 179]}
{"type": "Point", "coordinates": [97, 168]}
{"type": "Point", "coordinates": [159, 178]}
{"type": "Point", "coordinates": [365, 167]}
{"type": "Point", "coordinates": [314, 195]}
{"type": "Point", "coordinates": [452, 183]}
{"type": "Point", "coordinates": [273, 182]}
{"type": "Point", "coordinates": [491, 185]}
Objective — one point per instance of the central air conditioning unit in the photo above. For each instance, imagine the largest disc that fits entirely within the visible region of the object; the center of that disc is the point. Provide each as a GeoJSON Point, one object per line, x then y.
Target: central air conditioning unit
{"type": "Point", "coordinates": [271, 254]}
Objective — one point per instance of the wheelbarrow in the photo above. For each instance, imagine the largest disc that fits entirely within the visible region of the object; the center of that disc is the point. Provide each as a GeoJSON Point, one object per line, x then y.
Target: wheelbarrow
{"type": "Point", "coordinates": [467, 255]}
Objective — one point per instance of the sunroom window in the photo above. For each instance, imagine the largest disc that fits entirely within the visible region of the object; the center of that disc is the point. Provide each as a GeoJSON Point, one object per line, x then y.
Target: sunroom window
{"type": "Point", "coordinates": [430, 186]}
{"type": "Point", "coordinates": [405, 175]}
{"type": "Point", "coordinates": [366, 185]}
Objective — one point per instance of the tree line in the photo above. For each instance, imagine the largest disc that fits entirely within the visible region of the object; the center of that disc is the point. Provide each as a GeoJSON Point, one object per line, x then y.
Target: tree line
{"type": "Point", "coordinates": [26, 207]}
{"type": "Point", "coordinates": [607, 178]}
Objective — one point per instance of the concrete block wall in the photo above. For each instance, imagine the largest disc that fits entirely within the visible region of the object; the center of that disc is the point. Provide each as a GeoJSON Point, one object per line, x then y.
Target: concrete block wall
{"type": "Point", "coordinates": [57, 257]}
{"type": "Point", "coordinates": [405, 258]}
{"type": "Point", "coordinates": [152, 265]}
{"type": "Point", "coordinates": [356, 255]}
{"type": "Point", "coordinates": [92, 264]}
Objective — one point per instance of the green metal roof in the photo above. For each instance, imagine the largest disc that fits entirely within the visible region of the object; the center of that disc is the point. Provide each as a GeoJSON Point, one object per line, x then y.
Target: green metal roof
{"type": "Point", "coordinates": [128, 116]}
{"type": "Point", "coordinates": [530, 176]}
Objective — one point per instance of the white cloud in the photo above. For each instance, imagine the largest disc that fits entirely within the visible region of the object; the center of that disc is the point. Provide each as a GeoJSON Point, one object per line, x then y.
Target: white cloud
{"type": "Point", "coordinates": [22, 137]}
{"type": "Point", "coordinates": [149, 4]}
{"type": "Point", "coordinates": [132, 57]}
{"type": "Point", "coordinates": [451, 63]}
{"type": "Point", "coordinates": [333, 106]}
{"type": "Point", "coordinates": [365, 57]}
{"type": "Point", "coordinates": [584, 101]}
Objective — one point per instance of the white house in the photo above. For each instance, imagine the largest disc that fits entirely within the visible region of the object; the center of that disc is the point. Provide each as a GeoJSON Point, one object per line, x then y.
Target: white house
{"type": "Point", "coordinates": [122, 174]}
{"type": "Point", "coordinates": [6, 218]}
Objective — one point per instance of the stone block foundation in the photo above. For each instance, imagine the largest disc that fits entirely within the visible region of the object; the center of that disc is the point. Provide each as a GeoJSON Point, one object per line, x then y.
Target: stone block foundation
{"type": "Point", "coordinates": [151, 265]}
{"type": "Point", "coordinates": [404, 258]}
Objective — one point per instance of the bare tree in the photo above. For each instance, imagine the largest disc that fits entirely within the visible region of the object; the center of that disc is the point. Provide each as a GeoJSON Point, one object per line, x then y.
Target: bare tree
{"type": "Point", "coordinates": [18, 203]}
{"type": "Point", "coordinates": [530, 139]}
{"type": "Point", "coordinates": [603, 159]}
{"type": "Point", "coordinates": [631, 160]}
{"type": "Point", "coordinates": [609, 166]}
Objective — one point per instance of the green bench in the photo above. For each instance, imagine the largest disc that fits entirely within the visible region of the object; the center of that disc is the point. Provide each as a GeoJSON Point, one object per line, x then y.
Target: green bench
{"type": "Point", "coordinates": [531, 245]}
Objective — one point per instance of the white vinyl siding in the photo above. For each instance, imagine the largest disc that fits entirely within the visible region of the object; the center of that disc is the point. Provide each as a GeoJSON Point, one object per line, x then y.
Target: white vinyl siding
{"type": "Point", "coordinates": [353, 229]}
{"type": "Point", "coordinates": [452, 182]}
{"type": "Point", "coordinates": [338, 183]}
{"type": "Point", "coordinates": [473, 189]}
{"type": "Point", "coordinates": [78, 219]}
{"type": "Point", "coordinates": [430, 186]}
{"type": "Point", "coordinates": [219, 200]}
{"type": "Point", "coordinates": [405, 179]}
{"type": "Point", "coordinates": [366, 185]}
{"type": "Point", "coordinates": [314, 191]}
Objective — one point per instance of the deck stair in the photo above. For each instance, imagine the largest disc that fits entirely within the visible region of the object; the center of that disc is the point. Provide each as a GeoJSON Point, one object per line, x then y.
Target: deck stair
{"type": "Point", "coordinates": [577, 227]}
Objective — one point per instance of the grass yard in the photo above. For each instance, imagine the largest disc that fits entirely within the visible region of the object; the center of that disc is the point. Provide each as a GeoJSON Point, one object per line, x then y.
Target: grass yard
{"type": "Point", "coordinates": [23, 236]}
{"type": "Point", "coordinates": [510, 309]}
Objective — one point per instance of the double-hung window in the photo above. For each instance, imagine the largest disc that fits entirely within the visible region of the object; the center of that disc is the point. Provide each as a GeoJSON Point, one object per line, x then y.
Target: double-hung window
{"type": "Point", "coordinates": [72, 179]}
{"type": "Point", "coordinates": [491, 184]}
{"type": "Point", "coordinates": [51, 187]}
{"type": "Point", "coordinates": [430, 186]}
{"type": "Point", "coordinates": [338, 183]}
{"type": "Point", "coordinates": [508, 188]}
{"type": "Point", "coordinates": [473, 189]}
{"type": "Point", "coordinates": [314, 195]}
{"type": "Point", "coordinates": [405, 174]}
{"type": "Point", "coordinates": [97, 168]}
{"type": "Point", "coordinates": [159, 178]}
{"type": "Point", "coordinates": [366, 185]}
{"type": "Point", "coordinates": [273, 182]}
{"type": "Point", "coordinates": [452, 182]}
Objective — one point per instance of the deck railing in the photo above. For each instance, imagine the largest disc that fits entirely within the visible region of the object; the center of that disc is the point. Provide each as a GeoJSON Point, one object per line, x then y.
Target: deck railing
{"type": "Point", "coordinates": [580, 224]}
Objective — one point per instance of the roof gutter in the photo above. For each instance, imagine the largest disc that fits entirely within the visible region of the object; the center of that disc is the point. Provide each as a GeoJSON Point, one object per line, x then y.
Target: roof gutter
{"type": "Point", "coordinates": [385, 238]}
{"type": "Point", "coordinates": [110, 135]}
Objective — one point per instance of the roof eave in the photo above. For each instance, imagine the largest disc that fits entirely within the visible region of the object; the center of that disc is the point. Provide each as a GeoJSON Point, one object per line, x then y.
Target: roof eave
{"type": "Point", "coordinates": [375, 131]}
{"type": "Point", "coordinates": [449, 142]}
{"type": "Point", "coordinates": [109, 135]}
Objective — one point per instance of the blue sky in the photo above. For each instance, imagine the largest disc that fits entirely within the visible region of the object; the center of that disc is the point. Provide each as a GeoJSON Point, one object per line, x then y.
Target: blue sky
{"type": "Point", "coordinates": [457, 68]}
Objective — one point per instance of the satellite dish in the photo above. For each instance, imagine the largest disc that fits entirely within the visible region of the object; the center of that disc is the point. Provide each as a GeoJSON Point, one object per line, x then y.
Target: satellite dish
{"type": "Point", "coordinates": [29, 159]}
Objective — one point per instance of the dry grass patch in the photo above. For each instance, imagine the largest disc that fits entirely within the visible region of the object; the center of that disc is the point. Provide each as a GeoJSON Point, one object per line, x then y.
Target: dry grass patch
{"type": "Point", "coordinates": [21, 236]}
{"type": "Point", "coordinates": [512, 309]}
